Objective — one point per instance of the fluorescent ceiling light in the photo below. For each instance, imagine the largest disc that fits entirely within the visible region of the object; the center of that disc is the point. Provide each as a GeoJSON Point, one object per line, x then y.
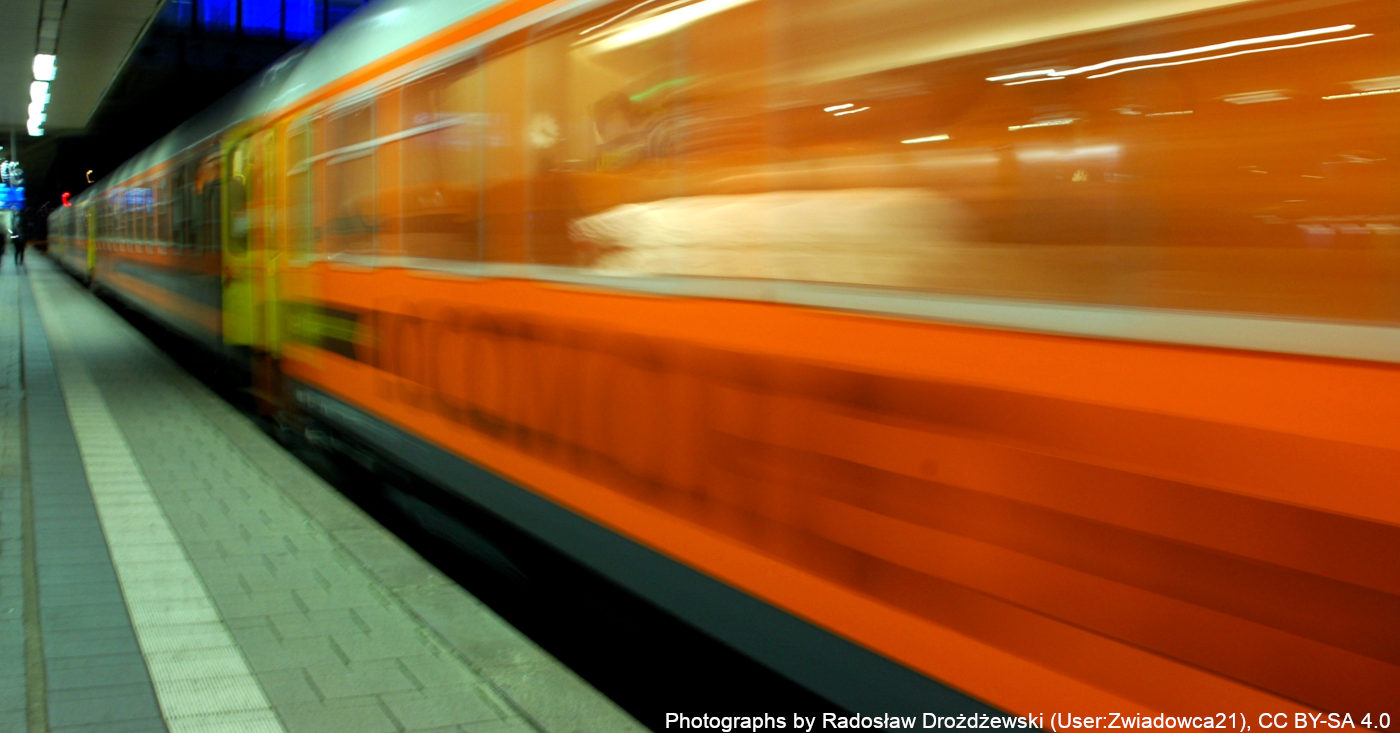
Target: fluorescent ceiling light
{"type": "Point", "coordinates": [660, 25]}
{"type": "Point", "coordinates": [45, 66]}
{"type": "Point", "coordinates": [39, 92]}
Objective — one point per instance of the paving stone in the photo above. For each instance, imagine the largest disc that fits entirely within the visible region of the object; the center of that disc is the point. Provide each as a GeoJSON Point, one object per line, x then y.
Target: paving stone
{"type": "Point", "coordinates": [520, 725]}
{"type": "Point", "coordinates": [559, 700]}
{"type": "Point", "coordinates": [104, 613]}
{"type": "Point", "coordinates": [145, 725]}
{"type": "Point", "coordinates": [54, 558]}
{"type": "Point", "coordinates": [101, 705]}
{"type": "Point", "coordinates": [364, 716]}
{"type": "Point", "coordinates": [287, 686]}
{"type": "Point", "coordinates": [383, 643]}
{"type": "Point", "coordinates": [391, 562]}
{"type": "Point", "coordinates": [265, 603]}
{"type": "Point", "coordinates": [13, 694]}
{"type": "Point", "coordinates": [89, 642]}
{"type": "Point", "coordinates": [84, 575]}
{"type": "Point", "coordinates": [347, 595]}
{"type": "Point", "coordinates": [12, 668]}
{"type": "Point", "coordinates": [76, 594]}
{"type": "Point", "coordinates": [444, 706]}
{"type": "Point", "coordinates": [266, 651]}
{"type": "Point", "coordinates": [350, 680]}
{"type": "Point", "coordinates": [329, 622]}
{"type": "Point", "coordinates": [64, 673]}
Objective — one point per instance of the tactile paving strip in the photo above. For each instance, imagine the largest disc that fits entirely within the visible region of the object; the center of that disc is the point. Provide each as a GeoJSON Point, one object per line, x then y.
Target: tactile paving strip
{"type": "Point", "coordinates": [213, 689]}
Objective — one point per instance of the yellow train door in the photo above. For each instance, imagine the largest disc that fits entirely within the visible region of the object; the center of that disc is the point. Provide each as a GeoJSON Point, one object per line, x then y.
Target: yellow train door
{"type": "Point", "coordinates": [251, 255]}
{"type": "Point", "coordinates": [264, 207]}
{"type": "Point", "coordinates": [239, 317]}
{"type": "Point", "coordinates": [252, 315]}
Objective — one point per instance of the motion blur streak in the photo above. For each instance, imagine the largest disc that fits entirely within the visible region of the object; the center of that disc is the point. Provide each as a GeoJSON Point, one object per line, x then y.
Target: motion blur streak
{"type": "Point", "coordinates": [1231, 55]}
{"type": "Point", "coordinates": [1049, 397]}
{"type": "Point", "coordinates": [1182, 52]}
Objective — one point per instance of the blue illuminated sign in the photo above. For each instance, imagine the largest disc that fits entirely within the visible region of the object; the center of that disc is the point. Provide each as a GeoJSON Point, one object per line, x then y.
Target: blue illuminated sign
{"type": "Point", "coordinates": [137, 198]}
{"type": "Point", "coordinates": [11, 197]}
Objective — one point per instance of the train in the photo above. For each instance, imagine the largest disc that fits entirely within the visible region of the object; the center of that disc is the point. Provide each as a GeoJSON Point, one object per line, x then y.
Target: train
{"type": "Point", "coordinates": [1010, 357]}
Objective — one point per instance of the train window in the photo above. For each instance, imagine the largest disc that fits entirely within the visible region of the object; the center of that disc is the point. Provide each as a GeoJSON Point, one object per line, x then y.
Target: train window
{"type": "Point", "coordinates": [561, 137]}
{"type": "Point", "coordinates": [126, 225]}
{"type": "Point", "coordinates": [239, 184]}
{"type": "Point", "coordinates": [659, 114]}
{"type": "Point", "coordinates": [127, 208]}
{"type": "Point", "coordinates": [318, 184]}
{"type": "Point", "coordinates": [132, 205]}
{"type": "Point", "coordinates": [299, 199]}
{"type": "Point", "coordinates": [903, 145]}
{"type": "Point", "coordinates": [136, 209]}
{"type": "Point", "coordinates": [504, 203]}
{"type": "Point", "coordinates": [114, 216]}
{"type": "Point", "coordinates": [144, 194]}
{"type": "Point", "coordinates": [124, 216]}
{"type": "Point", "coordinates": [350, 184]}
{"type": "Point", "coordinates": [441, 166]}
{"type": "Point", "coordinates": [180, 204]}
{"type": "Point", "coordinates": [208, 211]}
{"type": "Point", "coordinates": [388, 239]}
{"type": "Point", "coordinates": [162, 219]}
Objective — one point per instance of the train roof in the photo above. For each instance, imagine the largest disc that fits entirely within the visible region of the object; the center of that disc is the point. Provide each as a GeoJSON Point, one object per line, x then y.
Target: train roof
{"type": "Point", "coordinates": [374, 31]}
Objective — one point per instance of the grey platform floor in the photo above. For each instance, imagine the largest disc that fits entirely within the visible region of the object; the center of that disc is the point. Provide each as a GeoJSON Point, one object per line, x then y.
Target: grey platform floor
{"type": "Point", "coordinates": [166, 566]}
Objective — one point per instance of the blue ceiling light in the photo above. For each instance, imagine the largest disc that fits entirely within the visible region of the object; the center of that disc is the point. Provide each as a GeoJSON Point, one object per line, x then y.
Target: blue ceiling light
{"type": "Point", "coordinates": [218, 14]}
{"type": "Point", "coordinates": [262, 17]}
{"type": "Point", "coordinates": [303, 19]}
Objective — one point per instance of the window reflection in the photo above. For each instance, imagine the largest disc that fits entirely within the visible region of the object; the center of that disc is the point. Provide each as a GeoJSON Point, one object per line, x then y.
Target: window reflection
{"type": "Point", "coordinates": [441, 195]}
{"type": "Point", "coordinates": [350, 183]}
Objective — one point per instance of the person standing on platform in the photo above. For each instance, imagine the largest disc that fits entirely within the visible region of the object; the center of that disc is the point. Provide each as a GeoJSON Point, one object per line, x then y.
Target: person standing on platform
{"type": "Point", "coordinates": [20, 242]}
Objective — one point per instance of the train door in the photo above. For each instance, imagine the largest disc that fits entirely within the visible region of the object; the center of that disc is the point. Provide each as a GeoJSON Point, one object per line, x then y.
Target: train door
{"type": "Point", "coordinates": [252, 257]}
{"type": "Point", "coordinates": [239, 317]}
{"type": "Point", "coordinates": [264, 205]}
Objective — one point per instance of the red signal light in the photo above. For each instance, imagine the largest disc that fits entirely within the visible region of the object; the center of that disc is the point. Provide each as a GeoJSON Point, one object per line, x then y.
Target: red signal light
{"type": "Point", "coordinates": [66, 202]}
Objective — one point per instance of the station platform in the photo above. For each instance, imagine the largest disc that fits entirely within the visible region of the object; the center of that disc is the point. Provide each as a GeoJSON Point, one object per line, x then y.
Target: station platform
{"type": "Point", "coordinates": [164, 565]}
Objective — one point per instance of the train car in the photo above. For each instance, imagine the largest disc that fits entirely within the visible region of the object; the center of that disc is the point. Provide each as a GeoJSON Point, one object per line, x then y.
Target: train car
{"type": "Point", "coordinates": [1015, 356]}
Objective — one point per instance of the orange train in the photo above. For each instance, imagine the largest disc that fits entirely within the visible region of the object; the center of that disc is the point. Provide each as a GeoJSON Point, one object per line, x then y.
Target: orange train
{"type": "Point", "coordinates": [1019, 356]}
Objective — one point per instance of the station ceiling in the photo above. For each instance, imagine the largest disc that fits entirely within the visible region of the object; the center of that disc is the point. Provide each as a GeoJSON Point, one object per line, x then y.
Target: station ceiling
{"type": "Point", "coordinates": [92, 39]}
{"type": "Point", "coordinates": [124, 79]}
